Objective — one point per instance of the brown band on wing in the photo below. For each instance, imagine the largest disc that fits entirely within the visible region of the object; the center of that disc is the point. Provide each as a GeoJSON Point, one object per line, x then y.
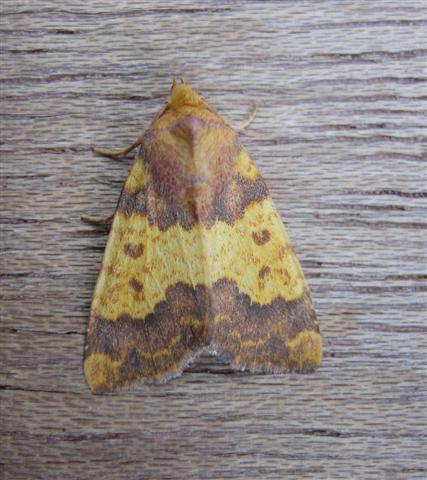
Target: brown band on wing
{"type": "Point", "coordinates": [257, 336]}
{"type": "Point", "coordinates": [154, 347]}
{"type": "Point", "coordinates": [292, 316]}
{"type": "Point", "coordinates": [191, 318]}
{"type": "Point", "coordinates": [227, 206]}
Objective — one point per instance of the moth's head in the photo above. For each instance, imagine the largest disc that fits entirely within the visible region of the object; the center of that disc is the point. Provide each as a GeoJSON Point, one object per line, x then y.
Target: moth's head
{"type": "Point", "coordinates": [183, 95]}
{"type": "Point", "coordinates": [184, 101]}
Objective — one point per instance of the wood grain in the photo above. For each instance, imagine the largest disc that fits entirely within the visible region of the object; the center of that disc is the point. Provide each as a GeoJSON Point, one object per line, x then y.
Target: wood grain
{"type": "Point", "coordinates": [340, 136]}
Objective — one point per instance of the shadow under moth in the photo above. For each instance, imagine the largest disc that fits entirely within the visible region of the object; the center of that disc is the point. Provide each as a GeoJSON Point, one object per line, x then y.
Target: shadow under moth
{"type": "Point", "coordinates": [197, 259]}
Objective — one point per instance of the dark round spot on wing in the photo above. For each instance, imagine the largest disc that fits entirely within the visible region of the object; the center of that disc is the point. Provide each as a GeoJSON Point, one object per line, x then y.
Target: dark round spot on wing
{"type": "Point", "coordinates": [133, 251]}
{"type": "Point", "coordinates": [137, 286]}
{"type": "Point", "coordinates": [265, 270]}
{"type": "Point", "coordinates": [261, 237]}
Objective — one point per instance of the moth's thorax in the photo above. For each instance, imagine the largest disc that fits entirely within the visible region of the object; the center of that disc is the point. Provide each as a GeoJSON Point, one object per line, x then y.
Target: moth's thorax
{"type": "Point", "coordinates": [190, 154]}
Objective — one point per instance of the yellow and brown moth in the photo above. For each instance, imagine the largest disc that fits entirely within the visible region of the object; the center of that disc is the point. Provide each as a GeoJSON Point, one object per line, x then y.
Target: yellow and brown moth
{"type": "Point", "coordinates": [197, 259]}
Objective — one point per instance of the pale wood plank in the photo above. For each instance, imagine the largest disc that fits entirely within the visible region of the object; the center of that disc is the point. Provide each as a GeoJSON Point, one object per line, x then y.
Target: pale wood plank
{"type": "Point", "coordinates": [340, 136]}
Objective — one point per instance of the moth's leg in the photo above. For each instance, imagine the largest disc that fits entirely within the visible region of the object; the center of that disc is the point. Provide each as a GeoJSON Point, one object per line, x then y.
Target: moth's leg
{"type": "Point", "coordinates": [249, 120]}
{"type": "Point", "coordinates": [97, 220]}
{"type": "Point", "coordinates": [119, 153]}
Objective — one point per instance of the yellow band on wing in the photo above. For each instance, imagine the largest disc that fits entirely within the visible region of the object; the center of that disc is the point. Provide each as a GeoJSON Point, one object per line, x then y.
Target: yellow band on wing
{"type": "Point", "coordinates": [138, 177]}
{"type": "Point", "coordinates": [254, 252]}
{"type": "Point", "coordinates": [245, 167]}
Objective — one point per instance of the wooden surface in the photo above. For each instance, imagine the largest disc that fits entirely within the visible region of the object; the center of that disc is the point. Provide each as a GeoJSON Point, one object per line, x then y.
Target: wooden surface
{"type": "Point", "coordinates": [340, 137]}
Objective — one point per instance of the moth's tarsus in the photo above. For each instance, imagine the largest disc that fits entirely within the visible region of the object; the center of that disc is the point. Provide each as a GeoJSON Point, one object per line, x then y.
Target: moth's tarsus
{"type": "Point", "coordinates": [249, 120]}
{"type": "Point", "coordinates": [119, 153]}
{"type": "Point", "coordinates": [108, 153]}
{"type": "Point", "coordinates": [93, 220]}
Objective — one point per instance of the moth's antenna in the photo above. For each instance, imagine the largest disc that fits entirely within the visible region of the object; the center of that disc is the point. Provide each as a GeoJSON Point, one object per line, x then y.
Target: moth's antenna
{"type": "Point", "coordinates": [249, 120]}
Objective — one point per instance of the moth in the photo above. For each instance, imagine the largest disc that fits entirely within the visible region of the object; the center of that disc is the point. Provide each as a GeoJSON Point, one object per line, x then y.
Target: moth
{"type": "Point", "coordinates": [197, 259]}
